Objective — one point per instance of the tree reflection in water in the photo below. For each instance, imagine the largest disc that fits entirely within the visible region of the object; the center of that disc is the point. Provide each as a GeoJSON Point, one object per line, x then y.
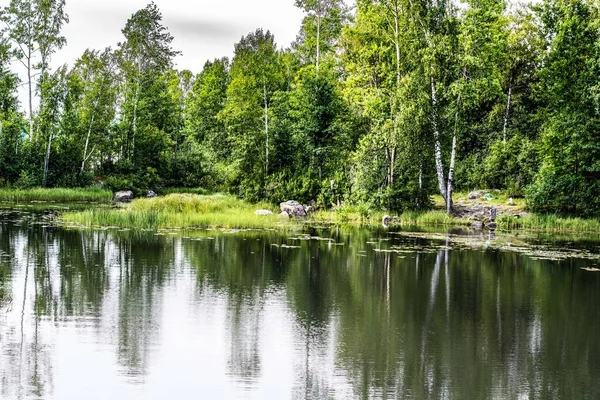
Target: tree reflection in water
{"type": "Point", "coordinates": [414, 319]}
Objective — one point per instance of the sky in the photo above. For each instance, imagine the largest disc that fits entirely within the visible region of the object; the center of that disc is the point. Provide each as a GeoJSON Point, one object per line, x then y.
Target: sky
{"type": "Point", "coordinates": [203, 29]}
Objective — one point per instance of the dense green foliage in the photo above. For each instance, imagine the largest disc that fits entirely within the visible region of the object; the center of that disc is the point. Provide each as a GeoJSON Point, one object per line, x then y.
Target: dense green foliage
{"type": "Point", "coordinates": [379, 106]}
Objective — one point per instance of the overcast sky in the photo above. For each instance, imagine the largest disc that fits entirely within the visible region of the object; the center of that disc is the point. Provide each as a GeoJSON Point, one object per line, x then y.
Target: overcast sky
{"type": "Point", "coordinates": [203, 29]}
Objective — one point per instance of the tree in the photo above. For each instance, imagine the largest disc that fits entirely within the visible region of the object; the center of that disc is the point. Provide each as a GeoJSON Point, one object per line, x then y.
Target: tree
{"type": "Point", "coordinates": [256, 75]}
{"type": "Point", "coordinates": [321, 28]}
{"type": "Point", "coordinates": [34, 26]}
{"type": "Point", "coordinates": [98, 101]}
{"type": "Point", "coordinates": [204, 103]}
{"type": "Point", "coordinates": [145, 54]}
{"type": "Point", "coordinates": [569, 178]}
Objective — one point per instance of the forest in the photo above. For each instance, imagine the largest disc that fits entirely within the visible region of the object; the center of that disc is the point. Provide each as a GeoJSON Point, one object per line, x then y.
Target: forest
{"type": "Point", "coordinates": [384, 104]}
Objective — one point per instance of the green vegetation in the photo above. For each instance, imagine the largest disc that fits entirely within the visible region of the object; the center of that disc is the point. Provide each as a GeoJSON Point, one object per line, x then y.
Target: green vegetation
{"type": "Point", "coordinates": [180, 211]}
{"type": "Point", "coordinates": [377, 107]}
{"type": "Point", "coordinates": [550, 223]}
{"type": "Point", "coordinates": [57, 195]}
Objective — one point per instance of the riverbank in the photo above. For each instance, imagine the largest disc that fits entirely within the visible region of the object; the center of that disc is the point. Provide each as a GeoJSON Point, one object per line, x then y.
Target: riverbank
{"type": "Point", "coordinates": [222, 211]}
{"type": "Point", "coordinates": [56, 195]}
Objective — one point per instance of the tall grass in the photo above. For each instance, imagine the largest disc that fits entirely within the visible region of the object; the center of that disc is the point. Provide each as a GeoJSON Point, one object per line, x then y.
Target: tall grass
{"type": "Point", "coordinates": [549, 223]}
{"type": "Point", "coordinates": [167, 191]}
{"type": "Point", "coordinates": [179, 211]}
{"type": "Point", "coordinates": [364, 216]}
{"type": "Point", "coordinates": [59, 195]}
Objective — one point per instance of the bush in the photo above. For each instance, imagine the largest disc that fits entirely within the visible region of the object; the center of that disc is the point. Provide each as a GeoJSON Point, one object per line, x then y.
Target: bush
{"type": "Point", "coordinates": [511, 166]}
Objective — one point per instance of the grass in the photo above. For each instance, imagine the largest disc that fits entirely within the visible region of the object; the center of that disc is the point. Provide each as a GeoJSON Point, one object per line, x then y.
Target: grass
{"type": "Point", "coordinates": [549, 223]}
{"type": "Point", "coordinates": [58, 195]}
{"type": "Point", "coordinates": [363, 216]}
{"type": "Point", "coordinates": [167, 191]}
{"type": "Point", "coordinates": [499, 199]}
{"type": "Point", "coordinates": [180, 211]}
{"type": "Point", "coordinates": [221, 211]}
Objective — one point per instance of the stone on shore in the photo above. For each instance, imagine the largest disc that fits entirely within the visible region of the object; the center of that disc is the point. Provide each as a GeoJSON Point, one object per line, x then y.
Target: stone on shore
{"type": "Point", "coordinates": [124, 196]}
{"type": "Point", "coordinates": [293, 208]}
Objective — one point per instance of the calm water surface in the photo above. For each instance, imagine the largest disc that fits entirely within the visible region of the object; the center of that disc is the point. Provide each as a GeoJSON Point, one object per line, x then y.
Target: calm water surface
{"type": "Point", "coordinates": [341, 315]}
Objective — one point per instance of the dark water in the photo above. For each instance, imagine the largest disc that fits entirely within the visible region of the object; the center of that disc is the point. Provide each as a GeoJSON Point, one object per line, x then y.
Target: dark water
{"type": "Point", "coordinates": [212, 315]}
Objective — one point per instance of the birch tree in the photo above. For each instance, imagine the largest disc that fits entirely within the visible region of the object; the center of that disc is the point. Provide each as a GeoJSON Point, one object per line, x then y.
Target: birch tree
{"type": "Point", "coordinates": [35, 27]}
{"type": "Point", "coordinates": [145, 53]}
{"type": "Point", "coordinates": [97, 105]}
{"type": "Point", "coordinates": [321, 28]}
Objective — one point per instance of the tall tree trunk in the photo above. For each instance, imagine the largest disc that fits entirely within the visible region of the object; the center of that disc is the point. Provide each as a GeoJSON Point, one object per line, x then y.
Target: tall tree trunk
{"type": "Point", "coordinates": [87, 142]}
{"type": "Point", "coordinates": [89, 133]}
{"type": "Point", "coordinates": [31, 131]}
{"type": "Point", "coordinates": [318, 34]}
{"type": "Point", "coordinates": [438, 146]}
{"type": "Point", "coordinates": [449, 203]}
{"type": "Point", "coordinates": [266, 129]}
{"type": "Point", "coordinates": [508, 103]}
{"type": "Point", "coordinates": [135, 108]}
{"type": "Point", "coordinates": [47, 158]}
{"type": "Point", "coordinates": [397, 42]}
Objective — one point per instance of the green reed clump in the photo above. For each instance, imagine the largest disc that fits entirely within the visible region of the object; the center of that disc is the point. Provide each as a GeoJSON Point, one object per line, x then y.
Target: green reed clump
{"type": "Point", "coordinates": [200, 191]}
{"type": "Point", "coordinates": [58, 195]}
{"type": "Point", "coordinates": [549, 223]}
{"type": "Point", "coordinates": [362, 215]}
{"type": "Point", "coordinates": [179, 211]}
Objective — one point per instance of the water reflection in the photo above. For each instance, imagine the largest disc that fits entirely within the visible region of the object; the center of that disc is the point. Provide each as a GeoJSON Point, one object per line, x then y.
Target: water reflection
{"type": "Point", "coordinates": [230, 315]}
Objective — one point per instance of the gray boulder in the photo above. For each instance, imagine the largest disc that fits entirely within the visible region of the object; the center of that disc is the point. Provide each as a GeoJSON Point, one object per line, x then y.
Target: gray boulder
{"type": "Point", "coordinates": [123, 197]}
{"type": "Point", "coordinates": [293, 208]}
{"type": "Point", "coordinates": [151, 194]}
{"type": "Point", "coordinates": [477, 194]}
{"type": "Point", "coordinates": [284, 215]}
{"type": "Point", "coordinates": [477, 225]}
{"type": "Point", "coordinates": [386, 220]}
{"type": "Point", "coordinates": [263, 212]}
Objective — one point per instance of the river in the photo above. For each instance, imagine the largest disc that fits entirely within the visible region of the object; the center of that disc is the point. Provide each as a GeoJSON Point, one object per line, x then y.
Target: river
{"type": "Point", "coordinates": [322, 314]}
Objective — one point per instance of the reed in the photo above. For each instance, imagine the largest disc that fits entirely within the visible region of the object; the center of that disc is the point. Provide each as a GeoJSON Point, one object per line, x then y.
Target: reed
{"type": "Point", "coordinates": [549, 223]}
{"type": "Point", "coordinates": [180, 211]}
{"type": "Point", "coordinates": [57, 195]}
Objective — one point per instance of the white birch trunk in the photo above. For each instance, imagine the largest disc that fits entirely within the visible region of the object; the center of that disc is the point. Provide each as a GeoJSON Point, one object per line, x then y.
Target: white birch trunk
{"type": "Point", "coordinates": [31, 131]}
{"type": "Point", "coordinates": [47, 158]}
{"type": "Point", "coordinates": [87, 142]}
{"type": "Point", "coordinates": [505, 127]}
{"type": "Point", "coordinates": [449, 203]}
{"type": "Point", "coordinates": [266, 129]}
{"type": "Point", "coordinates": [438, 147]}
{"type": "Point", "coordinates": [318, 34]}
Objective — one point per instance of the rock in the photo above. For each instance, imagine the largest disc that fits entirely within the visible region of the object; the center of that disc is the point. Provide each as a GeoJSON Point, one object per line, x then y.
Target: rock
{"type": "Point", "coordinates": [511, 202]}
{"type": "Point", "coordinates": [263, 212]}
{"type": "Point", "coordinates": [493, 214]}
{"type": "Point", "coordinates": [284, 215]}
{"type": "Point", "coordinates": [308, 209]}
{"type": "Point", "coordinates": [491, 225]}
{"type": "Point", "coordinates": [477, 225]}
{"type": "Point", "coordinates": [386, 220]}
{"type": "Point", "coordinates": [477, 194]}
{"type": "Point", "coordinates": [293, 208]}
{"type": "Point", "coordinates": [123, 196]}
{"type": "Point", "coordinates": [151, 194]}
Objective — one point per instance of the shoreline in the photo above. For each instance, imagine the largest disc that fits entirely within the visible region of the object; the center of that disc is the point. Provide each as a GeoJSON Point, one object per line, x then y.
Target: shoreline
{"type": "Point", "coordinates": [200, 211]}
